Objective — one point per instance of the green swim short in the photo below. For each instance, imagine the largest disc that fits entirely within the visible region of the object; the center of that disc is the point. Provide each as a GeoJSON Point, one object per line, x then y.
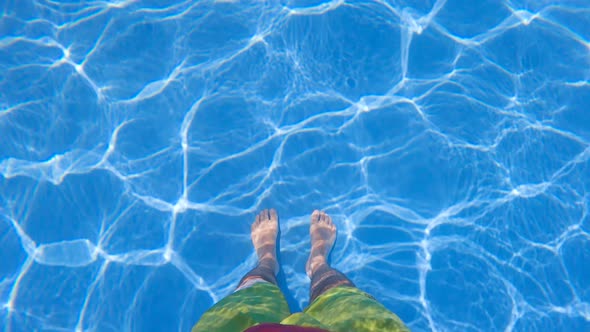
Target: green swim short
{"type": "Point", "coordinates": [340, 309]}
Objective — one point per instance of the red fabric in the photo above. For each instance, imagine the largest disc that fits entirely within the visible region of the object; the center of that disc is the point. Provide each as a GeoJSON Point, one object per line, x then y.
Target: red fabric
{"type": "Point", "coordinates": [266, 327]}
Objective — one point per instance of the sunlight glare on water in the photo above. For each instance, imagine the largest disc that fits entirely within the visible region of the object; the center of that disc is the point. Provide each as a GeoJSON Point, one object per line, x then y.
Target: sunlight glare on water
{"type": "Point", "coordinates": [449, 140]}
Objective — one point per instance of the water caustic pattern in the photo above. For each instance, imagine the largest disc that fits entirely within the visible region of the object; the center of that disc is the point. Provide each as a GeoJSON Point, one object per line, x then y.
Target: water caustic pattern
{"type": "Point", "coordinates": [449, 140]}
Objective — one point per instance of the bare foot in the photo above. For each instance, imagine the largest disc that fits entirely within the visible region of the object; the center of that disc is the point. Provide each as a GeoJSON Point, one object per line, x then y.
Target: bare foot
{"type": "Point", "coordinates": [323, 235]}
{"type": "Point", "coordinates": [264, 237]}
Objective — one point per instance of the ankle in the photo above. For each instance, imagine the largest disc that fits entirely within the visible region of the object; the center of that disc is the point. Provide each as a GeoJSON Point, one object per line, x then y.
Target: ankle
{"type": "Point", "coordinates": [315, 263]}
{"type": "Point", "coordinates": [270, 263]}
{"type": "Point", "coordinates": [263, 256]}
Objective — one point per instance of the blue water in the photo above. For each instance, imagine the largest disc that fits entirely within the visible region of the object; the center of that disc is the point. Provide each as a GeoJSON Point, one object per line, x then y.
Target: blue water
{"type": "Point", "coordinates": [449, 140]}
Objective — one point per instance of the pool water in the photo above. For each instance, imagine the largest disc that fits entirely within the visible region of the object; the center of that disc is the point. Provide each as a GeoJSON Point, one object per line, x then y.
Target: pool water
{"type": "Point", "coordinates": [449, 141]}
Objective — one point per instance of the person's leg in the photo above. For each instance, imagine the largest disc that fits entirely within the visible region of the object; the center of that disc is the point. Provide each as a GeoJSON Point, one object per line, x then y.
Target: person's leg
{"type": "Point", "coordinates": [264, 237]}
{"type": "Point", "coordinates": [257, 298]}
{"type": "Point", "coordinates": [334, 300]}
{"type": "Point", "coordinates": [323, 277]}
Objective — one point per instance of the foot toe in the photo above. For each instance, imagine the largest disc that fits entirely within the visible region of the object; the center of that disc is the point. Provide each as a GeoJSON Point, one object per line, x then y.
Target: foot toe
{"type": "Point", "coordinates": [323, 218]}
{"type": "Point", "coordinates": [315, 216]}
{"type": "Point", "coordinates": [273, 214]}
